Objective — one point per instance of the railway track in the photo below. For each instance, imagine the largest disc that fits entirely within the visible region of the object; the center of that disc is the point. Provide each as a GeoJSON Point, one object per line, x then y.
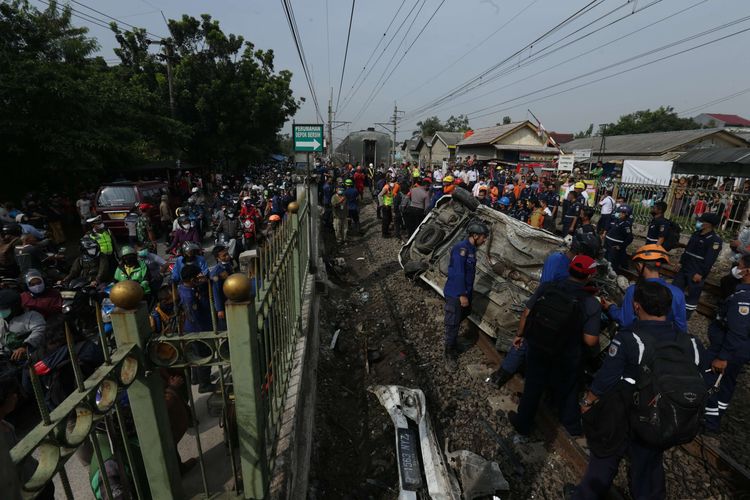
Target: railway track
{"type": "Point", "coordinates": [735, 475]}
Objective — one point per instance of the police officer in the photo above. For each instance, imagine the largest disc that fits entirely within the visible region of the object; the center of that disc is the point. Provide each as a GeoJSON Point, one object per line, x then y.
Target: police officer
{"type": "Point", "coordinates": [559, 372]}
{"type": "Point", "coordinates": [620, 372]}
{"type": "Point", "coordinates": [459, 286]}
{"type": "Point", "coordinates": [619, 236]}
{"type": "Point", "coordinates": [700, 254]}
{"type": "Point", "coordinates": [572, 213]}
{"type": "Point", "coordinates": [729, 346]}
{"type": "Point", "coordinates": [658, 228]}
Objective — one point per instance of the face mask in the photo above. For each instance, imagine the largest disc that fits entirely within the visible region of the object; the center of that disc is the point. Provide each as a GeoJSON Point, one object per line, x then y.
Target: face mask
{"type": "Point", "coordinates": [4, 313]}
{"type": "Point", "coordinates": [698, 226]}
{"type": "Point", "coordinates": [737, 272]}
{"type": "Point", "coordinates": [143, 253]}
{"type": "Point", "coordinates": [36, 289]}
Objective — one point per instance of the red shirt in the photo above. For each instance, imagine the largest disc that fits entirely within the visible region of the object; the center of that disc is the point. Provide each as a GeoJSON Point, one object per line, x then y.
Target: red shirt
{"type": "Point", "coordinates": [47, 304]}
{"type": "Point", "coordinates": [359, 181]}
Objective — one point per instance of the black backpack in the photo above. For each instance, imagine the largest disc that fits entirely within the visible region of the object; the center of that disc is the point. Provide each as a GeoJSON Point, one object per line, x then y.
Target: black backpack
{"type": "Point", "coordinates": [670, 395]}
{"type": "Point", "coordinates": [673, 236]}
{"type": "Point", "coordinates": [554, 318]}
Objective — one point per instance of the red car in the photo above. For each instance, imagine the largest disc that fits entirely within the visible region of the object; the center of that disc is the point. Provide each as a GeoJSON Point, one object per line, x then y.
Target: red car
{"type": "Point", "coordinates": [115, 200]}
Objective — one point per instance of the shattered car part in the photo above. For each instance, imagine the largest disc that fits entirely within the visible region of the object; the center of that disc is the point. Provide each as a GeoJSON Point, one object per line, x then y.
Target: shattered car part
{"type": "Point", "coordinates": [479, 477]}
{"type": "Point", "coordinates": [509, 264]}
{"type": "Point", "coordinates": [420, 460]}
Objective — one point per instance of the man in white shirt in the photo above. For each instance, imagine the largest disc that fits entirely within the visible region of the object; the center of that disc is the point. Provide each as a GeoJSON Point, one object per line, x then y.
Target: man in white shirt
{"type": "Point", "coordinates": [607, 204]}
{"type": "Point", "coordinates": [437, 175]}
{"type": "Point", "coordinates": [472, 174]}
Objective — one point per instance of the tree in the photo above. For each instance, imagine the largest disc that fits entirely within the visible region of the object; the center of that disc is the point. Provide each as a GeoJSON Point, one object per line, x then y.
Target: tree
{"type": "Point", "coordinates": [225, 90]}
{"type": "Point", "coordinates": [585, 133]}
{"type": "Point", "coordinates": [429, 126]}
{"type": "Point", "coordinates": [458, 123]}
{"type": "Point", "coordinates": [506, 120]}
{"type": "Point", "coordinates": [66, 116]}
{"type": "Point", "coordinates": [663, 119]}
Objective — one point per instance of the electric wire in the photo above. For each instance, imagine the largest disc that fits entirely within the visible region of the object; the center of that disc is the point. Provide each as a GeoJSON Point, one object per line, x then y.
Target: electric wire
{"type": "Point", "coordinates": [474, 115]}
{"type": "Point", "coordinates": [369, 58]}
{"type": "Point", "coordinates": [393, 70]}
{"type": "Point", "coordinates": [408, 15]}
{"type": "Point", "coordinates": [477, 78]}
{"type": "Point", "coordinates": [131, 26]}
{"type": "Point", "coordinates": [346, 53]}
{"type": "Point", "coordinates": [562, 63]}
{"type": "Point", "coordinates": [714, 102]}
{"type": "Point", "coordinates": [291, 21]}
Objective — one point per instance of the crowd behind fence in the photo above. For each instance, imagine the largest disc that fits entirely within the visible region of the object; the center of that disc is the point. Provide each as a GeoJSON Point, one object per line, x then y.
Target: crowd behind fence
{"type": "Point", "coordinates": [114, 413]}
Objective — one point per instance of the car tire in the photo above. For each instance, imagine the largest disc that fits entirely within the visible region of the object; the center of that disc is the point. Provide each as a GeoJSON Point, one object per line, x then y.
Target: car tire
{"type": "Point", "coordinates": [428, 238]}
{"type": "Point", "coordinates": [465, 198]}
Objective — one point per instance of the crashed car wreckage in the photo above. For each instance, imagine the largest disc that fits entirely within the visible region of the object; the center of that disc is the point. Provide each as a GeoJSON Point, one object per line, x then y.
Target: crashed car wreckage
{"type": "Point", "coordinates": [509, 265]}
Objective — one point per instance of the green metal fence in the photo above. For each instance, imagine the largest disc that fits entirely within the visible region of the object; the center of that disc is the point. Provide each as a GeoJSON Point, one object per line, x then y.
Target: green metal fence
{"type": "Point", "coordinates": [253, 357]}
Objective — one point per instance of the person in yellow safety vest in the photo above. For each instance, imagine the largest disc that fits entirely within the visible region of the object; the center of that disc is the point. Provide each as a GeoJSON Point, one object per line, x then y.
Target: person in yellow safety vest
{"type": "Point", "coordinates": [415, 174]}
{"type": "Point", "coordinates": [101, 235]}
{"type": "Point", "coordinates": [386, 201]}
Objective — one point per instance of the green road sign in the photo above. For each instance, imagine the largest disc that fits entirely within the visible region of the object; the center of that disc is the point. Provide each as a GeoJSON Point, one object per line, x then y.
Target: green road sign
{"type": "Point", "coordinates": [308, 138]}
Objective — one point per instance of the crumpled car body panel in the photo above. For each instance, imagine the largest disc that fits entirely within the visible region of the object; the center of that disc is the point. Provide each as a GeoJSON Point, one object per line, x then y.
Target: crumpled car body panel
{"type": "Point", "coordinates": [509, 264]}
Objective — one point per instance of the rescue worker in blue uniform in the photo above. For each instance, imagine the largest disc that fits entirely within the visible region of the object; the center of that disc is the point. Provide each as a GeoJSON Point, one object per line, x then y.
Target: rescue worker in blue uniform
{"type": "Point", "coordinates": [619, 374]}
{"type": "Point", "coordinates": [648, 260]}
{"type": "Point", "coordinates": [700, 254]}
{"type": "Point", "coordinates": [729, 347]}
{"type": "Point", "coordinates": [459, 286]}
{"type": "Point", "coordinates": [555, 268]}
{"type": "Point", "coordinates": [619, 236]}
{"type": "Point", "coordinates": [658, 228]}
{"type": "Point", "coordinates": [559, 372]}
{"type": "Point", "coordinates": [572, 213]}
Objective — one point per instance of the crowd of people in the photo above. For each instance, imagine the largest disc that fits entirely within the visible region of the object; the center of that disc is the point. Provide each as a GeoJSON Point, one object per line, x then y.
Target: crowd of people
{"type": "Point", "coordinates": [43, 293]}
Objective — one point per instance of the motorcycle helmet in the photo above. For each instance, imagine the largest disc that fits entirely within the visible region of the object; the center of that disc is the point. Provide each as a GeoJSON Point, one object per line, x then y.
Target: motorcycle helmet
{"type": "Point", "coordinates": [190, 248]}
{"type": "Point", "coordinates": [34, 281]}
{"type": "Point", "coordinates": [129, 256]}
{"type": "Point", "coordinates": [505, 201]}
{"type": "Point", "coordinates": [349, 182]}
{"type": "Point", "coordinates": [274, 218]}
{"type": "Point", "coordinates": [11, 229]}
{"type": "Point", "coordinates": [625, 208]}
{"type": "Point", "coordinates": [183, 221]}
{"type": "Point", "coordinates": [586, 243]}
{"type": "Point", "coordinates": [89, 249]}
{"type": "Point", "coordinates": [655, 254]}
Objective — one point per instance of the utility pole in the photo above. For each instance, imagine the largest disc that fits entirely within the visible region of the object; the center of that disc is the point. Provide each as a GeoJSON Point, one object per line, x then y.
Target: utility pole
{"type": "Point", "coordinates": [330, 126]}
{"type": "Point", "coordinates": [393, 130]}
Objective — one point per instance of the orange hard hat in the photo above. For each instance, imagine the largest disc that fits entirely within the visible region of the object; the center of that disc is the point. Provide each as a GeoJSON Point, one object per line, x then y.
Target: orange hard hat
{"type": "Point", "coordinates": [652, 253]}
{"type": "Point", "coordinates": [274, 218]}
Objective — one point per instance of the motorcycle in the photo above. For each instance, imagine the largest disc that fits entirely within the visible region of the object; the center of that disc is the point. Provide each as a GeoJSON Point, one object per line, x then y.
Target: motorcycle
{"type": "Point", "coordinates": [80, 304]}
{"type": "Point", "coordinates": [248, 232]}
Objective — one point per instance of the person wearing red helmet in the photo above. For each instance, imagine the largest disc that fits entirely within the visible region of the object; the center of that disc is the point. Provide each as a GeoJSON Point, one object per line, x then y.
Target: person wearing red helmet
{"type": "Point", "coordinates": [560, 318]}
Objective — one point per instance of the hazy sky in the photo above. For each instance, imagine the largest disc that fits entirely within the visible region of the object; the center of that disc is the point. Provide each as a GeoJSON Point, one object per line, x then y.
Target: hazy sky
{"type": "Point", "coordinates": [459, 44]}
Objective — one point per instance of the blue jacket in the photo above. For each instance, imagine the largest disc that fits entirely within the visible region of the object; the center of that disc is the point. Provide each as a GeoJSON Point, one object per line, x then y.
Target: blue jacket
{"type": "Point", "coordinates": [217, 282]}
{"type": "Point", "coordinates": [701, 253]}
{"type": "Point", "coordinates": [352, 197]}
{"type": "Point", "coordinates": [658, 228]}
{"type": "Point", "coordinates": [624, 315]}
{"type": "Point", "coordinates": [619, 234]}
{"type": "Point", "coordinates": [625, 353]}
{"type": "Point", "coordinates": [200, 261]}
{"type": "Point", "coordinates": [195, 306]}
{"type": "Point", "coordinates": [555, 268]}
{"type": "Point", "coordinates": [461, 270]}
{"type": "Point", "coordinates": [733, 323]}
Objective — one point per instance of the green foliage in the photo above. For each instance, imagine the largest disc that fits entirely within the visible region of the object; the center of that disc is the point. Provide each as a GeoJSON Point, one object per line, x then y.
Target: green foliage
{"type": "Point", "coordinates": [663, 119]}
{"type": "Point", "coordinates": [507, 120]}
{"type": "Point", "coordinates": [585, 133]}
{"type": "Point", "coordinates": [429, 126]}
{"type": "Point", "coordinates": [65, 116]}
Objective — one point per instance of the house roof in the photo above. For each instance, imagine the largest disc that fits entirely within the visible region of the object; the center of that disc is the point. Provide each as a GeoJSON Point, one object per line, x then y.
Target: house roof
{"type": "Point", "coordinates": [655, 143]}
{"type": "Point", "coordinates": [731, 120]}
{"type": "Point", "coordinates": [715, 161]}
{"type": "Point", "coordinates": [526, 148]}
{"type": "Point", "coordinates": [488, 135]}
{"type": "Point", "coordinates": [561, 138]}
{"type": "Point", "coordinates": [448, 138]}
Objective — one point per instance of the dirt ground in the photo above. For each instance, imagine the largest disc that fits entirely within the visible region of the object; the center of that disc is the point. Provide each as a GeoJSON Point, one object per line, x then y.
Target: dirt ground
{"type": "Point", "coordinates": [376, 309]}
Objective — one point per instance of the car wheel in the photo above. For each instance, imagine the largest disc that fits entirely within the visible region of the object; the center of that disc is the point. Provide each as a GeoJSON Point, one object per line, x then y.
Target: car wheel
{"type": "Point", "coordinates": [465, 198]}
{"type": "Point", "coordinates": [428, 238]}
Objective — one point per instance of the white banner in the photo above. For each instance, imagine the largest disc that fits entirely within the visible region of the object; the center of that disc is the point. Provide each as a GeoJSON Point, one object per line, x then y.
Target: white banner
{"type": "Point", "coordinates": [582, 154]}
{"type": "Point", "coordinates": [647, 172]}
{"type": "Point", "coordinates": [565, 163]}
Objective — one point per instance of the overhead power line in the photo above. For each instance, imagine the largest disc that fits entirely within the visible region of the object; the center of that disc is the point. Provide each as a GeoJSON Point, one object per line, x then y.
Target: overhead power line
{"type": "Point", "coordinates": [714, 102]}
{"type": "Point", "coordinates": [577, 56]}
{"type": "Point", "coordinates": [478, 113]}
{"type": "Point", "coordinates": [377, 89]}
{"type": "Point", "coordinates": [131, 26]}
{"type": "Point", "coordinates": [292, 22]}
{"type": "Point", "coordinates": [393, 37]}
{"type": "Point", "coordinates": [369, 58]}
{"type": "Point", "coordinates": [346, 53]}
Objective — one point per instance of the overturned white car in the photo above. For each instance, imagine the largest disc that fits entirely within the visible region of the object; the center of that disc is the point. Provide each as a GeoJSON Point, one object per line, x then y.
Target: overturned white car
{"type": "Point", "coordinates": [509, 265]}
